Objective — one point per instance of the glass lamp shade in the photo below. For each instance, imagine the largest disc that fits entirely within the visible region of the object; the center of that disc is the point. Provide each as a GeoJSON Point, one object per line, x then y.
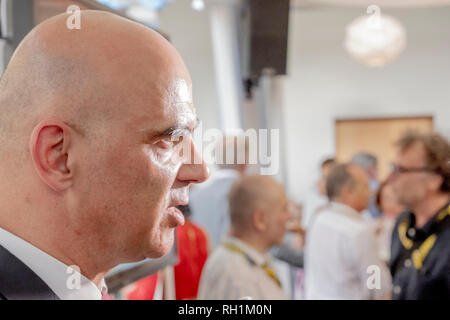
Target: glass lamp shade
{"type": "Point", "coordinates": [375, 41]}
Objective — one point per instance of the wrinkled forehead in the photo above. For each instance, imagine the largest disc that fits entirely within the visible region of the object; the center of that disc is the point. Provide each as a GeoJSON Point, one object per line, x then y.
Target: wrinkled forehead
{"type": "Point", "coordinates": [178, 93]}
{"type": "Point", "coordinates": [167, 107]}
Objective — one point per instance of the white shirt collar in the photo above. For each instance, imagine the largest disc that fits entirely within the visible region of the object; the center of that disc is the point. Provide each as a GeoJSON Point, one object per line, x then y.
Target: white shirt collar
{"type": "Point", "coordinates": [345, 209]}
{"type": "Point", "coordinates": [65, 282]}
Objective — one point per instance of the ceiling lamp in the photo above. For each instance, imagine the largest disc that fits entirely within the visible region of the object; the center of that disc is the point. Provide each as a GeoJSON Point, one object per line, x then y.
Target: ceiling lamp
{"type": "Point", "coordinates": [375, 40]}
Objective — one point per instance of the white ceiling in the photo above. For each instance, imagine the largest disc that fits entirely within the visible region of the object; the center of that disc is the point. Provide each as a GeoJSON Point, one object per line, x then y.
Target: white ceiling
{"type": "Point", "coordinates": [366, 3]}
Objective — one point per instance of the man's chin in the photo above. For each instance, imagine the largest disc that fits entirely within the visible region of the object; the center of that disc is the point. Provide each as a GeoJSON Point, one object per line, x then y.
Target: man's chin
{"type": "Point", "coordinates": [163, 248]}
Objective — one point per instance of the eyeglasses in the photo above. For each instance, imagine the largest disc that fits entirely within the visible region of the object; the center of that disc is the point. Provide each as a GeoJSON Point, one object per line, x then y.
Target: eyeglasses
{"type": "Point", "coordinates": [396, 169]}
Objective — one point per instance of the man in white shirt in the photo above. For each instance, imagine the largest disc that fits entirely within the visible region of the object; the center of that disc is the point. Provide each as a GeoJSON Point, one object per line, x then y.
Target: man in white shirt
{"type": "Point", "coordinates": [341, 256]}
{"type": "Point", "coordinates": [92, 124]}
{"type": "Point", "coordinates": [240, 267]}
{"type": "Point", "coordinates": [316, 199]}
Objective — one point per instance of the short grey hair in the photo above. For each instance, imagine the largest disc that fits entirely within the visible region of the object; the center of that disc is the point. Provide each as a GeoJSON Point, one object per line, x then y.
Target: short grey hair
{"type": "Point", "coordinates": [365, 160]}
{"type": "Point", "coordinates": [339, 177]}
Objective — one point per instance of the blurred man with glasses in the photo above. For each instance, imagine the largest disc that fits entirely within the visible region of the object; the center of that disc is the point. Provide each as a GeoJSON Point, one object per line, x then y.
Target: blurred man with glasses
{"type": "Point", "coordinates": [420, 250]}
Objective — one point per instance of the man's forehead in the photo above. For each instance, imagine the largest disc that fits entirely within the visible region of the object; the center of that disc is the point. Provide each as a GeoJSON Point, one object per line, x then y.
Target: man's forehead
{"type": "Point", "coordinates": [182, 115]}
{"type": "Point", "coordinates": [412, 155]}
{"type": "Point", "coordinates": [180, 90]}
{"type": "Point", "coordinates": [178, 124]}
{"type": "Point", "coordinates": [167, 106]}
{"type": "Point", "coordinates": [178, 101]}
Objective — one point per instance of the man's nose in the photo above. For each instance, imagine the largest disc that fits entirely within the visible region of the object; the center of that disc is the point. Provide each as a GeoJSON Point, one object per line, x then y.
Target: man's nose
{"type": "Point", "coordinates": [196, 170]}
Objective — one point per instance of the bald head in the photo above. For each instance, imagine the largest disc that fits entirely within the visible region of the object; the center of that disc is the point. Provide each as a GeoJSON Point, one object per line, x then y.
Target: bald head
{"type": "Point", "coordinates": [254, 193]}
{"type": "Point", "coordinates": [91, 122]}
{"type": "Point", "coordinates": [85, 77]}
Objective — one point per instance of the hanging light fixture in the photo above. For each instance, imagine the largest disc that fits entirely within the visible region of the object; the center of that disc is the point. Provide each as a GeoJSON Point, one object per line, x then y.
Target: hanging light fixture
{"type": "Point", "coordinates": [376, 39]}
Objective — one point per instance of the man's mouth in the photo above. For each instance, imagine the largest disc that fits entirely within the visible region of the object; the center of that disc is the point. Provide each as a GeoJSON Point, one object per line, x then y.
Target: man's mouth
{"type": "Point", "coordinates": [176, 217]}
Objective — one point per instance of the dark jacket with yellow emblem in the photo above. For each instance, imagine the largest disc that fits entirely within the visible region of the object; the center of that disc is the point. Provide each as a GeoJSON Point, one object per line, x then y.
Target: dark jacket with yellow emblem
{"type": "Point", "coordinates": [420, 258]}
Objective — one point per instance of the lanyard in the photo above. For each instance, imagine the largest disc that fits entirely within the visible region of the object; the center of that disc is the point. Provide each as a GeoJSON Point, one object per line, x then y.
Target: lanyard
{"type": "Point", "coordinates": [268, 270]}
{"type": "Point", "coordinates": [418, 255]}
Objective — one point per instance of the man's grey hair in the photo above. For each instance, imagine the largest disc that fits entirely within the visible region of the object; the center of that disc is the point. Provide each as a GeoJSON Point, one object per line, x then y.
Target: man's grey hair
{"type": "Point", "coordinates": [339, 177]}
{"type": "Point", "coordinates": [365, 160]}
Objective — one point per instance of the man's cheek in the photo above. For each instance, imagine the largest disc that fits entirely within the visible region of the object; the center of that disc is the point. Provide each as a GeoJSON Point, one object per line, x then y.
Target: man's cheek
{"type": "Point", "coordinates": [167, 161]}
{"type": "Point", "coordinates": [184, 152]}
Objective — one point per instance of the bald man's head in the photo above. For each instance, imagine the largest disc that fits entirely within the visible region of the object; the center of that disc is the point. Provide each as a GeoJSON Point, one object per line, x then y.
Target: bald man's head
{"type": "Point", "coordinates": [92, 123]}
{"type": "Point", "coordinates": [258, 204]}
{"type": "Point", "coordinates": [83, 76]}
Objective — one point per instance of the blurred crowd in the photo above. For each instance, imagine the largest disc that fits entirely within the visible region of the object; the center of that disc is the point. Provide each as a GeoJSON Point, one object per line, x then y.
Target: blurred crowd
{"type": "Point", "coordinates": [352, 237]}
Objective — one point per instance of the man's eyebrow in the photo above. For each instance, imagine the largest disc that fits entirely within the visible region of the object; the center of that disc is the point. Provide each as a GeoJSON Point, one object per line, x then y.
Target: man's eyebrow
{"type": "Point", "coordinates": [177, 128]}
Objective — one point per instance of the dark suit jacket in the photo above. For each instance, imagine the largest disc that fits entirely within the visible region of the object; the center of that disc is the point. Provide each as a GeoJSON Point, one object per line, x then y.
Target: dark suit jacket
{"type": "Point", "coordinates": [18, 282]}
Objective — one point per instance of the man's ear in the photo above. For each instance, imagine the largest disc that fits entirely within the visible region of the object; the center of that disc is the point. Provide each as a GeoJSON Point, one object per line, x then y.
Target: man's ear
{"type": "Point", "coordinates": [259, 220]}
{"type": "Point", "coordinates": [49, 145]}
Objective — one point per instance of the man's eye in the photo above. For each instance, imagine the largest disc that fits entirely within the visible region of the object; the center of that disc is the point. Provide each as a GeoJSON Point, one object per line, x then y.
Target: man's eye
{"type": "Point", "coordinates": [164, 143]}
{"type": "Point", "coordinates": [176, 139]}
{"type": "Point", "coordinates": [169, 142]}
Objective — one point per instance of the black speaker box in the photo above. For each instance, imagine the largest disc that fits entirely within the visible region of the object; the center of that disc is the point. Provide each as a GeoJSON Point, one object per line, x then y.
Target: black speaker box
{"type": "Point", "coordinates": [269, 21]}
